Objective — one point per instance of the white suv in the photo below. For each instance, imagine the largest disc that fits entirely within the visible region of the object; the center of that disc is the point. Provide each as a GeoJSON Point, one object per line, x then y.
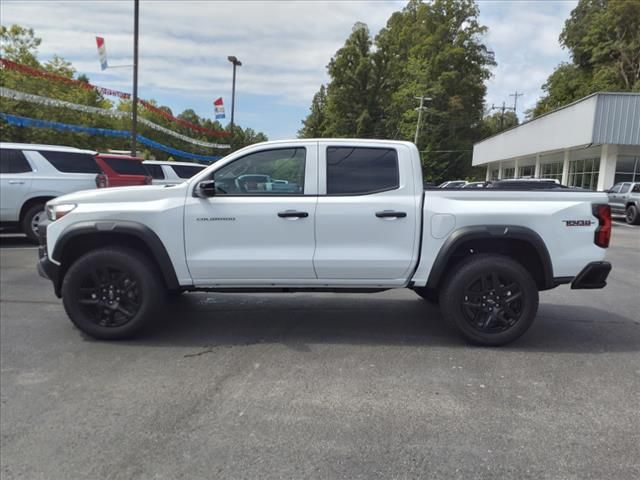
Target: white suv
{"type": "Point", "coordinates": [170, 173]}
{"type": "Point", "coordinates": [31, 175]}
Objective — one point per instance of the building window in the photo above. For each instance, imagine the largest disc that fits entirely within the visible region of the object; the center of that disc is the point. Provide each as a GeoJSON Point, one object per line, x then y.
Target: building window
{"type": "Point", "coordinates": [509, 172]}
{"type": "Point", "coordinates": [527, 171]}
{"type": "Point", "coordinates": [627, 169]}
{"type": "Point", "coordinates": [584, 173]}
{"type": "Point", "coordinates": [494, 174]}
{"type": "Point", "coordinates": [551, 170]}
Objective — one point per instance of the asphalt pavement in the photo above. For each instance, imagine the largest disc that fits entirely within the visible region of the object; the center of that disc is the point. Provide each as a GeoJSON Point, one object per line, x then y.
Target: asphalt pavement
{"type": "Point", "coordinates": [321, 386]}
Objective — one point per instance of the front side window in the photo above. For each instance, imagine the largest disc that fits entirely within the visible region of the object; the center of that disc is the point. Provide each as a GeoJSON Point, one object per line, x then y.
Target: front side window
{"type": "Point", "coordinates": [71, 162]}
{"type": "Point", "coordinates": [625, 187]}
{"type": "Point", "coordinates": [636, 188]}
{"type": "Point", "coordinates": [13, 161]}
{"type": "Point", "coordinates": [360, 170]}
{"type": "Point", "coordinates": [269, 172]}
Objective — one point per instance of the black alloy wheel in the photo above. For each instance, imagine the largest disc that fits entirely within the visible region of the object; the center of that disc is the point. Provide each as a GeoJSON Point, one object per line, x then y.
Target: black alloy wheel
{"type": "Point", "coordinates": [492, 303]}
{"type": "Point", "coordinates": [109, 296]}
{"type": "Point", "coordinates": [112, 292]}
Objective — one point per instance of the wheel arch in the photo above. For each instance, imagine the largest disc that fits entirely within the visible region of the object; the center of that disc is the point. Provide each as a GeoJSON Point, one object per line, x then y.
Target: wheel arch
{"type": "Point", "coordinates": [82, 237]}
{"type": "Point", "coordinates": [519, 243]}
{"type": "Point", "coordinates": [31, 202]}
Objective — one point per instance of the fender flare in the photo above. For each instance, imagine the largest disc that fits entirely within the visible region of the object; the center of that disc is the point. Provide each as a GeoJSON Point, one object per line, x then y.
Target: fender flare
{"type": "Point", "coordinates": [509, 232]}
{"type": "Point", "coordinates": [135, 229]}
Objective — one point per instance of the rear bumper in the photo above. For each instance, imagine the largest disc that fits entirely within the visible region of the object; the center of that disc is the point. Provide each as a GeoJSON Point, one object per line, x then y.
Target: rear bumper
{"type": "Point", "coordinates": [594, 275]}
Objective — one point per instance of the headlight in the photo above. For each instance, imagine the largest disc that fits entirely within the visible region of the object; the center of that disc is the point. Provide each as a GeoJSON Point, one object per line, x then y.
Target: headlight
{"type": "Point", "coordinates": [56, 212]}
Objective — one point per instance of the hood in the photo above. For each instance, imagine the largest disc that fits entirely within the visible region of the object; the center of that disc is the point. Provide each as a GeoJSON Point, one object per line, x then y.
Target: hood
{"type": "Point", "coordinates": [141, 193]}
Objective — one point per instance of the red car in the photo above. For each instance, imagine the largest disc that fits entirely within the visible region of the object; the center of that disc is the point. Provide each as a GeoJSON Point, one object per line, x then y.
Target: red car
{"type": "Point", "coordinates": [122, 170]}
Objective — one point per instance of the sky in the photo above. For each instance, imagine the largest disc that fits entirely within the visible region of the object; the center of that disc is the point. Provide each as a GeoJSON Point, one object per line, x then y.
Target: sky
{"type": "Point", "coordinates": [284, 47]}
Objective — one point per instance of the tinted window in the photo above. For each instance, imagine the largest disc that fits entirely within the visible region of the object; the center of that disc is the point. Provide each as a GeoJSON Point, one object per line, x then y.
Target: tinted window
{"type": "Point", "coordinates": [625, 187]}
{"type": "Point", "coordinates": [185, 171]}
{"type": "Point", "coordinates": [268, 172]}
{"type": "Point", "coordinates": [636, 188]}
{"type": "Point", "coordinates": [13, 161]}
{"type": "Point", "coordinates": [155, 171]}
{"type": "Point", "coordinates": [358, 170]}
{"type": "Point", "coordinates": [71, 162]}
{"type": "Point", "coordinates": [126, 167]}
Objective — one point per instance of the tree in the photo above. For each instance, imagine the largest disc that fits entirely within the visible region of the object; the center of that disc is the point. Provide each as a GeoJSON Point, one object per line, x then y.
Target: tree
{"type": "Point", "coordinates": [497, 122]}
{"type": "Point", "coordinates": [427, 49]}
{"type": "Point", "coordinates": [603, 37]}
{"type": "Point", "coordinates": [349, 92]}
{"type": "Point", "coordinates": [19, 44]}
{"type": "Point", "coordinates": [314, 126]}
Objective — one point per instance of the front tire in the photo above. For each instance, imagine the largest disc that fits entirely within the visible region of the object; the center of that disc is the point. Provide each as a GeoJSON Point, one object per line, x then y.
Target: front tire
{"type": "Point", "coordinates": [632, 215]}
{"type": "Point", "coordinates": [31, 221]}
{"type": "Point", "coordinates": [111, 293]}
{"type": "Point", "coordinates": [491, 299]}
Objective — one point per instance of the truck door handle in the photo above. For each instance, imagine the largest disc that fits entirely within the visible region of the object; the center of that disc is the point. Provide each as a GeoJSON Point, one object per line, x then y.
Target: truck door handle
{"type": "Point", "coordinates": [16, 182]}
{"type": "Point", "coordinates": [292, 214]}
{"type": "Point", "coordinates": [390, 214]}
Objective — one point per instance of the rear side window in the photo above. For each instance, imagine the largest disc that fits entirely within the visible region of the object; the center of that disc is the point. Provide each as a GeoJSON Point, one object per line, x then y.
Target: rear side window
{"type": "Point", "coordinates": [186, 171]}
{"type": "Point", "coordinates": [625, 187]}
{"type": "Point", "coordinates": [13, 161]}
{"type": "Point", "coordinates": [71, 162]}
{"type": "Point", "coordinates": [359, 170]}
{"type": "Point", "coordinates": [155, 171]}
{"type": "Point", "coordinates": [125, 167]}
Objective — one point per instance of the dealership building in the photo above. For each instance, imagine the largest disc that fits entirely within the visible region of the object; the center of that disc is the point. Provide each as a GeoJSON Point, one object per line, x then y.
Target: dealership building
{"type": "Point", "coordinates": [591, 143]}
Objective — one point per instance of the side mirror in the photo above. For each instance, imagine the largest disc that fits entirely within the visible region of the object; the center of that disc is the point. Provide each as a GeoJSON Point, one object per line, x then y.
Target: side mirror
{"type": "Point", "coordinates": [206, 189]}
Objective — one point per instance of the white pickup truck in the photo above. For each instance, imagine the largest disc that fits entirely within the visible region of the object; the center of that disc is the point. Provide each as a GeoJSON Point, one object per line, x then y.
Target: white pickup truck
{"type": "Point", "coordinates": [342, 216]}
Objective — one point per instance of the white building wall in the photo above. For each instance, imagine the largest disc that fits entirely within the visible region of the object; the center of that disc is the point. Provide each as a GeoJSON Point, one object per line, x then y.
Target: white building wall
{"type": "Point", "coordinates": [571, 126]}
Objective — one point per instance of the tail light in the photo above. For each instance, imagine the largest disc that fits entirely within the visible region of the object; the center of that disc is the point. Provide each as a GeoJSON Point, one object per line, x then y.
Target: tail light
{"type": "Point", "coordinates": [603, 232]}
{"type": "Point", "coordinates": [102, 181]}
{"type": "Point", "coordinates": [147, 180]}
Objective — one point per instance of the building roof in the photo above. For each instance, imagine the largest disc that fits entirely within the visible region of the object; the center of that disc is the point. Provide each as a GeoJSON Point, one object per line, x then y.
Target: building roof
{"type": "Point", "coordinates": [612, 118]}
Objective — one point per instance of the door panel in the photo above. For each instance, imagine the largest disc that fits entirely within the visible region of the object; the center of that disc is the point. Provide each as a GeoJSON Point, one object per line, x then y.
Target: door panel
{"type": "Point", "coordinates": [258, 226]}
{"type": "Point", "coordinates": [365, 236]}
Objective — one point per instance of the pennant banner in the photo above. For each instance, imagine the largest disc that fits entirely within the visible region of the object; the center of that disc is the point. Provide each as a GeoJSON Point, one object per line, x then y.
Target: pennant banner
{"type": "Point", "coordinates": [32, 122]}
{"type": "Point", "coordinates": [52, 102]}
{"type": "Point", "coordinates": [102, 53]}
{"type": "Point", "coordinates": [106, 91]}
{"type": "Point", "coordinates": [218, 106]}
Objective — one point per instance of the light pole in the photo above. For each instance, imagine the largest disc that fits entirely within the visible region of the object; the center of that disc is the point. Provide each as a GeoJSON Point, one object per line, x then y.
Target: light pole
{"type": "Point", "coordinates": [236, 63]}
{"type": "Point", "coordinates": [134, 106]}
{"type": "Point", "coordinates": [420, 109]}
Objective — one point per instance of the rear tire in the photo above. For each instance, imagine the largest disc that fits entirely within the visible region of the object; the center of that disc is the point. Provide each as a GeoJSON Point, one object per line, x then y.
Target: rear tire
{"type": "Point", "coordinates": [491, 299]}
{"type": "Point", "coordinates": [111, 293]}
{"type": "Point", "coordinates": [31, 220]}
{"type": "Point", "coordinates": [632, 215]}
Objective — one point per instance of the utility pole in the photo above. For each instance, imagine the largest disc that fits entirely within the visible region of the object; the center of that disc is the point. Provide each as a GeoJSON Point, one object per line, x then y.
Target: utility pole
{"type": "Point", "coordinates": [515, 100]}
{"type": "Point", "coordinates": [420, 109]}
{"type": "Point", "coordinates": [236, 63]}
{"type": "Point", "coordinates": [134, 106]}
{"type": "Point", "coordinates": [502, 109]}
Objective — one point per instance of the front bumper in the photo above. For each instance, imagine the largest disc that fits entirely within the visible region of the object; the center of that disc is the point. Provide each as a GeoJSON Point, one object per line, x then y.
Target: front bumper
{"type": "Point", "coordinates": [46, 268]}
{"type": "Point", "coordinates": [594, 275]}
